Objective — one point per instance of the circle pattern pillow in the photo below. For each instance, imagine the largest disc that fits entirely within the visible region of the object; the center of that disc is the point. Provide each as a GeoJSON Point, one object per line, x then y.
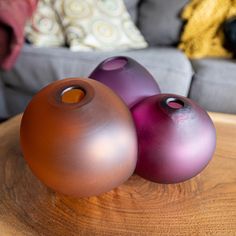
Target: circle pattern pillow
{"type": "Point", "coordinates": [98, 25]}
{"type": "Point", "coordinates": [44, 28]}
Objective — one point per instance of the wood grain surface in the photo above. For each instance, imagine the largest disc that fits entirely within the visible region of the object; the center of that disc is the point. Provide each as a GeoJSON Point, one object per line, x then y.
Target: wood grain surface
{"type": "Point", "coordinates": [204, 205]}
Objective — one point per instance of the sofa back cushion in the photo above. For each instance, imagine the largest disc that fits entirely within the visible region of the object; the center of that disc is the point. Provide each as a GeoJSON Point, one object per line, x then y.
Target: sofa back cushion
{"type": "Point", "coordinates": [159, 21]}
{"type": "Point", "coordinates": [132, 7]}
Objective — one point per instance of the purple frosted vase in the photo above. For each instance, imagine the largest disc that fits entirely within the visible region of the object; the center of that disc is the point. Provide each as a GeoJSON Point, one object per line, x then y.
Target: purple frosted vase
{"type": "Point", "coordinates": [176, 138]}
{"type": "Point", "coordinates": [125, 76]}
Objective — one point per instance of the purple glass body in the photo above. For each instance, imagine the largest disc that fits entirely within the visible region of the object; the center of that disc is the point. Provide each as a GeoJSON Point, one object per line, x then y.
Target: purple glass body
{"type": "Point", "coordinates": [176, 138]}
{"type": "Point", "coordinates": [125, 76]}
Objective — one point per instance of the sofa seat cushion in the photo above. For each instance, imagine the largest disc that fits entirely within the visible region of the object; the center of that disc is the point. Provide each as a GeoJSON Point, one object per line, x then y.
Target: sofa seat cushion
{"type": "Point", "coordinates": [3, 110]}
{"type": "Point", "coordinates": [37, 67]}
{"type": "Point", "coordinates": [214, 84]}
{"type": "Point", "coordinates": [16, 100]}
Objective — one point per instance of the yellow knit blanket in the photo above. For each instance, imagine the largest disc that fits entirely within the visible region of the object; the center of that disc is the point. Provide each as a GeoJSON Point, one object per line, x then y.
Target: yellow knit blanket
{"type": "Point", "coordinates": [203, 34]}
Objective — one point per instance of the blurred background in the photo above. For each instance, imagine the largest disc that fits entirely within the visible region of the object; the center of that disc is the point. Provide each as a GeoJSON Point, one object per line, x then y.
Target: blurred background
{"type": "Point", "coordinates": [188, 46]}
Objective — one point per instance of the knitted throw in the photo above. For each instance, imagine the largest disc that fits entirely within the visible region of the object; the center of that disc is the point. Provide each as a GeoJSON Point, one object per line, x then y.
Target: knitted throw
{"type": "Point", "coordinates": [203, 34]}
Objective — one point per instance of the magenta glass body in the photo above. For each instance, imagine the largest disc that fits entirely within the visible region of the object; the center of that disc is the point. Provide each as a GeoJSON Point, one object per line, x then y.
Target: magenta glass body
{"type": "Point", "coordinates": [130, 80]}
{"type": "Point", "coordinates": [176, 138]}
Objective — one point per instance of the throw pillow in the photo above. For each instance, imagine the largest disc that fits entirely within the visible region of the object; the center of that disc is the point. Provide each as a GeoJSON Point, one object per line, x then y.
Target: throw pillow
{"type": "Point", "coordinates": [44, 28]}
{"type": "Point", "coordinates": [98, 25]}
{"type": "Point", "coordinates": [13, 17]}
{"type": "Point", "coordinates": [203, 33]}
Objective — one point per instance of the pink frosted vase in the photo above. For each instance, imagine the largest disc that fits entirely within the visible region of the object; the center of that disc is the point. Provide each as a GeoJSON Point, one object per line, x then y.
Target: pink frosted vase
{"type": "Point", "coordinates": [176, 138]}
{"type": "Point", "coordinates": [130, 80]}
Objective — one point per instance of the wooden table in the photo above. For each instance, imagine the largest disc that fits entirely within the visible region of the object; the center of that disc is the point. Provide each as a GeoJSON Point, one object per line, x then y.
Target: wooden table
{"type": "Point", "coordinates": [205, 205]}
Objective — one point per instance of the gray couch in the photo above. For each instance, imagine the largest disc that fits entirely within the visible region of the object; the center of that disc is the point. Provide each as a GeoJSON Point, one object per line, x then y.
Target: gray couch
{"type": "Point", "coordinates": [210, 82]}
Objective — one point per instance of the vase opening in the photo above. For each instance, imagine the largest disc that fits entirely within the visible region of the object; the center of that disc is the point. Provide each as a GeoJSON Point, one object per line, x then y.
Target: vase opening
{"type": "Point", "coordinates": [72, 95]}
{"type": "Point", "coordinates": [174, 103]}
{"type": "Point", "coordinates": [114, 63]}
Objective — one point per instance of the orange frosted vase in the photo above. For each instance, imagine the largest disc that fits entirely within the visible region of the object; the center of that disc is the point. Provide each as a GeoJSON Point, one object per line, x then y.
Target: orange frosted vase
{"type": "Point", "coordinates": [78, 137]}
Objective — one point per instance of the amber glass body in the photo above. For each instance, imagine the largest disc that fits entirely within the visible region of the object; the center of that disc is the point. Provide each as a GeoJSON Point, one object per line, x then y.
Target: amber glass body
{"type": "Point", "coordinates": [84, 148]}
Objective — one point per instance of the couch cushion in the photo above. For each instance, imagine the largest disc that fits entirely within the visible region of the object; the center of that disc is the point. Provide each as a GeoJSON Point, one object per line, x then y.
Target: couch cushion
{"type": "Point", "coordinates": [159, 21]}
{"type": "Point", "coordinates": [132, 7]}
{"type": "Point", "coordinates": [3, 110]}
{"type": "Point", "coordinates": [16, 100]}
{"type": "Point", "coordinates": [214, 84]}
{"type": "Point", "coordinates": [36, 67]}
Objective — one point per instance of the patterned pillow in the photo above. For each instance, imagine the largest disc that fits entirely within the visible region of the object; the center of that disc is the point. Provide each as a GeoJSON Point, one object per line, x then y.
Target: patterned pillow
{"type": "Point", "coordinates": [44, 28]}
{"type": "Point", "coordinates": [98, 25]}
